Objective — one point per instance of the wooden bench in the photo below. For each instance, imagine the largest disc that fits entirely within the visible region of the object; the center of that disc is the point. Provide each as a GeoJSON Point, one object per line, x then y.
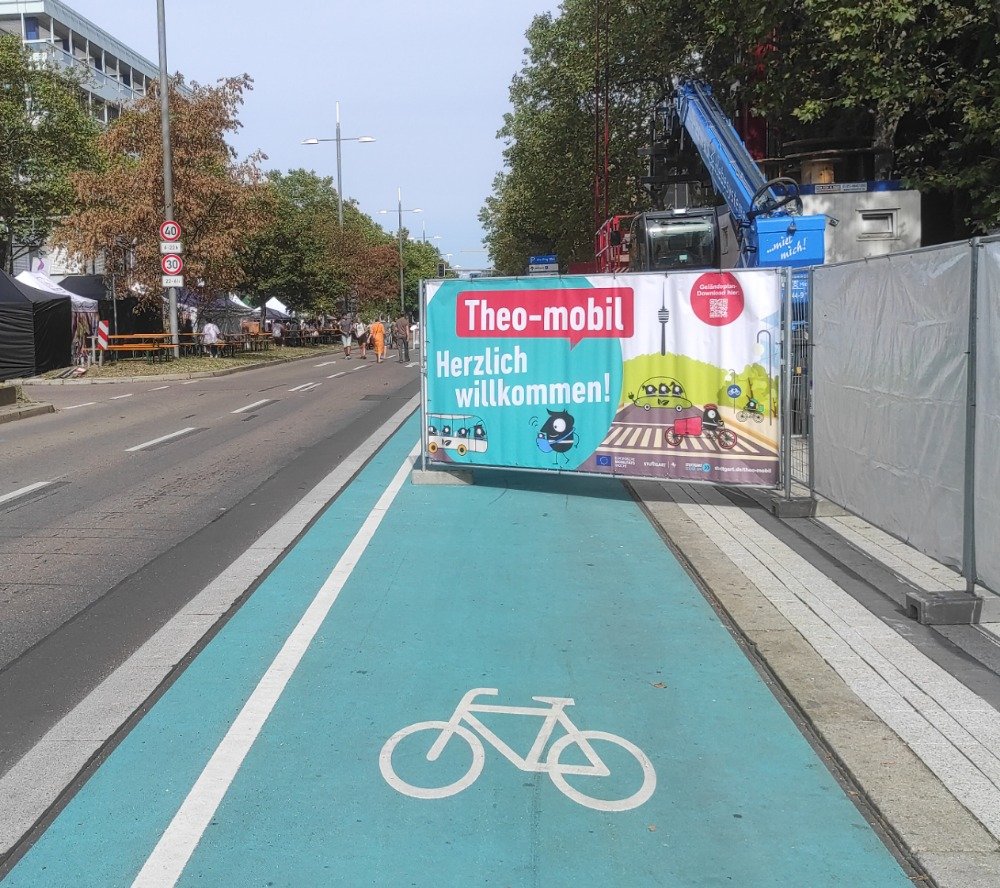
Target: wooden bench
{"type": "Point", "coordinates": [152, 345]}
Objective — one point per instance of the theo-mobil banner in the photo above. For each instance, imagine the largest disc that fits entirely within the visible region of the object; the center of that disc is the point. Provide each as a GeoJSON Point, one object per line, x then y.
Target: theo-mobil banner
{"type": "Point", "coordinates": [649, 375]}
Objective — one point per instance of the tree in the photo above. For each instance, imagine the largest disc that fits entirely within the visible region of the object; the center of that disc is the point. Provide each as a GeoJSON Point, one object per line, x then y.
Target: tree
{"type": "Point", "coordinates": [543, 201]}
{"type": "Point", "coordinates": [307, 261]}
{"type": "Point", "coordinates": [218, 200]}
{"type": "Point", "coordinates": [289, 257]}
{"type": "Point", "coordinates": [46, 134]}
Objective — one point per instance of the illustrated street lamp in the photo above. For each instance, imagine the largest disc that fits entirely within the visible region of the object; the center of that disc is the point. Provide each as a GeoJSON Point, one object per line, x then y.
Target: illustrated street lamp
{"type": "Point", "coordinates": [770, 378]}
{"type": "Point", "coordinates": [338, 139]}
{"type": "Point", "coordinates": [400, 211]}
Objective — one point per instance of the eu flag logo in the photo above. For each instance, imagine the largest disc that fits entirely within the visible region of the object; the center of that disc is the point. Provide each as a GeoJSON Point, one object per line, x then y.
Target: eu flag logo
{"type": "Point", "coordinates": [603, 459]}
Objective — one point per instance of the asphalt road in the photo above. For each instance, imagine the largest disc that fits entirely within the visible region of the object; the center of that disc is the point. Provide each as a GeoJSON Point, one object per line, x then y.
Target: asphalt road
{"type": "Point", "coordinates": [150, 489]}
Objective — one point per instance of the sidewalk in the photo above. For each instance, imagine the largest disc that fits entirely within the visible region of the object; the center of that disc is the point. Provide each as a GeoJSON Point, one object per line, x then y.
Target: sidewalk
{"type": "Point", "coordinates": [921, 746]}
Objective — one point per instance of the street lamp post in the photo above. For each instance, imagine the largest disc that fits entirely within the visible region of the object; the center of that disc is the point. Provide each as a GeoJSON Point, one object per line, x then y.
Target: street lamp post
{"type": "Point", "coordinates": [400, 211]}
{"type": "Point", "coordinates": [338, 139]}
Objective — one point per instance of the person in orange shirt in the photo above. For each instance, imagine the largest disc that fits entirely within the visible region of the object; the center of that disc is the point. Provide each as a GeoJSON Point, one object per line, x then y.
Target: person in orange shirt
{"type": "Point", "coordinates": [377, 333]}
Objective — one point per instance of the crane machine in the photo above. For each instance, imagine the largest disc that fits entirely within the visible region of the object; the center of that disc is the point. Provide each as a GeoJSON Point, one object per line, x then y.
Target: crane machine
{"type": "Point", "coordinates": [762, 218]}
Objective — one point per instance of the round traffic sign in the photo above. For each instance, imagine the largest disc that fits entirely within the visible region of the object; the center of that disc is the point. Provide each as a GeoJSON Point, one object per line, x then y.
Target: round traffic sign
{"type": "Point", "coordinates": [734, 391]}
{"type": "Point", "coordinates": [170, 231]}
{"type": "Point", "coordinates": [172, 264]}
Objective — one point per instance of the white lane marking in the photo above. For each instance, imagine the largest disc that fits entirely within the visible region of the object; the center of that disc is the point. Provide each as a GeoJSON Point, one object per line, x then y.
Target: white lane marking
{"type": "Point", "coordinates": [119, 397]}
{"type": "Point", "coordinates": [171, 854]}
{"type": "Point", "coordinates": [159, 388]}
{"type": "Point", "coordinates": [360, 367]}
{"type": "Point", "coordinates": [251, 406]}
{"type": "Point", "coordinates": [305, 387]}
{"type": "Point", "coordinates": [24, 491]}
{"type": "Point", "coordinates": [412, 364]}
{"type": "Point", "coordinates": [85, 404]}
{"type": "Point", "coordinates": [325, 364]}
{"type": "Point", "coordinates": [158, 440]}
{"type": "Point", "coordinates": [335, 375]}
{"type": "Point", "coordinates": [189, 382]}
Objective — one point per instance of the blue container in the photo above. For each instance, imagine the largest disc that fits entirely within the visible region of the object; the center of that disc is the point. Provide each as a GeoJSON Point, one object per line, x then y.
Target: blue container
{"type": "Point", "coordinates": [790, 241]}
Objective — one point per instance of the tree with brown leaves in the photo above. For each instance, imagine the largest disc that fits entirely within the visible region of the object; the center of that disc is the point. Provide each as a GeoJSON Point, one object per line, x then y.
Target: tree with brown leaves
{"type": "Point", "coordinates": [219, 200]}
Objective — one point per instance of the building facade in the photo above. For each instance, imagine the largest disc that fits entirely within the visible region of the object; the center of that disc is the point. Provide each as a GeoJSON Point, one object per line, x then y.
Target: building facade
{"type": "Point", "coordinates": [112, 74]}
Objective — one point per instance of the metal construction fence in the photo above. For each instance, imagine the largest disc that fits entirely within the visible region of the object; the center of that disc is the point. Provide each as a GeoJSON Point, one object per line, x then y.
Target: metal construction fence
{"type": "Point", "coordinates": [900, 358]}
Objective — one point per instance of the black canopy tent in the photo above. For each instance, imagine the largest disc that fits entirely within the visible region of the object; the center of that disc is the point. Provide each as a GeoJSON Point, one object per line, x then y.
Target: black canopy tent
{"type": "Point", "coordinates": [36, 330]}
{"type": "Point", "coordinates": [90, 285]}
{"type": "Point", "coordinates": [125, 315]}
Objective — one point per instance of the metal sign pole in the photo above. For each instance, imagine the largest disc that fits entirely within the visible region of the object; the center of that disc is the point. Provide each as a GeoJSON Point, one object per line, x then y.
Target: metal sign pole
{"type": "Point", "coordinates": [785, 401]}
{"type": "Point", "coordinates": [810, 343]}
{"type": "Point", "coordinates": [168, 184]}
{"type": "Point", "coordinates": [423, 375]}
{"type": "Point", "coordinates": [969, 497]}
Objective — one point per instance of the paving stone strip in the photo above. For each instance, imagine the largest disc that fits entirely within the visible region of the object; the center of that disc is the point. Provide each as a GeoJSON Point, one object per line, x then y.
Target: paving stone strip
{"type": "Point", "coordinates": [919, 744]}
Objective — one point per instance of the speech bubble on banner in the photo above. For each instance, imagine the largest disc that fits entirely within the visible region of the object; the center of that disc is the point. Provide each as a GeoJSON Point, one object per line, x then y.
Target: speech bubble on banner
{"type": "Point", "coordinates": [574, 314]}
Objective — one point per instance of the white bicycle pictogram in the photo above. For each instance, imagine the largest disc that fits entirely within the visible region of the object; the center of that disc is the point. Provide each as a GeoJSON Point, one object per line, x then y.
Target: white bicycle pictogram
{"type": "Point", "coordinates": [551, 714]}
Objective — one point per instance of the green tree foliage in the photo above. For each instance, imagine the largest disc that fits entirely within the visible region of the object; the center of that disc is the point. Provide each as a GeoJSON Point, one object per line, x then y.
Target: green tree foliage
{"type": "Point", "coordinates": [543, 201]}
{"type": "Point", "coordinates": [45, 135]}
{"type": "Point", "coordinates": [303, 258]}
{"type": "Point", "coordinates": [287, 259]}
{"type": "Point", "coordinates": [917, 80]}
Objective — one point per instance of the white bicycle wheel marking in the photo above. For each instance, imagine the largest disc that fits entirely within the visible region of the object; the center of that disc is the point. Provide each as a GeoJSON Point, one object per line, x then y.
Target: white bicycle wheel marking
{"type": "Point", "coordinates": [420, 792]}
{"type": "Point", "coordinates": [463, 723]}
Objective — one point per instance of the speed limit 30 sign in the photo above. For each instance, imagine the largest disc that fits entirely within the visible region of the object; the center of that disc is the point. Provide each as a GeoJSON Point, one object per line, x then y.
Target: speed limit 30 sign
{"type": "Point", "coordinates": [172, 264]}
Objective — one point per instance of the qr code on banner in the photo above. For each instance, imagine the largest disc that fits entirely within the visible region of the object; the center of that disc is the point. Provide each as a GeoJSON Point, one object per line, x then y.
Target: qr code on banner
{"type": "Point", "coordinates": [718, 308]}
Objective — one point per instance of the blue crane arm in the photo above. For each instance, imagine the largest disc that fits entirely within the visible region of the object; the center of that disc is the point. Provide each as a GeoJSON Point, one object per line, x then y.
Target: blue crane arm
{"type": "Point", "coordinates": [734, 173]}
{"type": "Point", "coordinates": [767, 233]}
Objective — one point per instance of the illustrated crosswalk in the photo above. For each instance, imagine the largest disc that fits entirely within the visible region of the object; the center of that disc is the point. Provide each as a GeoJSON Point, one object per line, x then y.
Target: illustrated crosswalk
{"type": "Point", "coordinates": [651, 439]}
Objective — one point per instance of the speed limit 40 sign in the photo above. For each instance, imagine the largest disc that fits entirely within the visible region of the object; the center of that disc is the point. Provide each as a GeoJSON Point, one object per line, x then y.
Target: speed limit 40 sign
{"type": "Point", "coordinates": [170, 231]}
{"type": "Point", "coordinates": [172, 264]}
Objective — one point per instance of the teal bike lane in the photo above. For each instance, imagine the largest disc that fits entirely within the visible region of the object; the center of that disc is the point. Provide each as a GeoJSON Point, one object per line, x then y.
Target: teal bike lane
{"type": "Point", "coordinates": [677, 766]}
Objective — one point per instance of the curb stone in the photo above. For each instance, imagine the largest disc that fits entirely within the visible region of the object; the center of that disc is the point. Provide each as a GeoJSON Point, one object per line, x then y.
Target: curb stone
{"type": "Point", "coordinates": [24, 411]}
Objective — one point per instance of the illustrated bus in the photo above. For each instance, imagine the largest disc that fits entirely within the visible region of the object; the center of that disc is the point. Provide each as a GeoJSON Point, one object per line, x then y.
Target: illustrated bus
{"type": "Point", "coordinates": [461, 432]}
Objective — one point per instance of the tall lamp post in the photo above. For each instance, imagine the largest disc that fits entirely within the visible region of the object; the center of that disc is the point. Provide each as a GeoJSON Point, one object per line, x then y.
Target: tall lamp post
{"type": "Point", "coordinates": [338, 139]}
{"type": "Point", "coordinates": [340, 188]}
{"type": "Point", "coordinates": [400, 210]}
{"type": "Point", "coordinates": [168, 183]}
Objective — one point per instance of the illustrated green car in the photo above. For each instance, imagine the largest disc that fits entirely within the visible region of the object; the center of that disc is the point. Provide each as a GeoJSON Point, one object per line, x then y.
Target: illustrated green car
{"type": "Point", "coordinates": [660, 391]}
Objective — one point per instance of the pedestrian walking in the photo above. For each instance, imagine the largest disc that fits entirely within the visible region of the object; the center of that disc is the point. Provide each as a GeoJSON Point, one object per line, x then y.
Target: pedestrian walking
{"type": "Point", "coordinates": [401, 333]}
{"type": "Point", "coordinates": [345, 335]}
{"type": "Point", "coordinates": [377, 333]}
{"type": "Point", "coordinates": [210, 334]}
{"type": "Point", "coordinates": [278, 332]}
{"type": "Point", "coordinates": [361, 334]}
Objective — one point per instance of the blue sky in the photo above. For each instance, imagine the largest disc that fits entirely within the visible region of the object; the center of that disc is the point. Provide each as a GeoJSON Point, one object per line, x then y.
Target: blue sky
{"type": "Point", "coordinates": [428, 80]}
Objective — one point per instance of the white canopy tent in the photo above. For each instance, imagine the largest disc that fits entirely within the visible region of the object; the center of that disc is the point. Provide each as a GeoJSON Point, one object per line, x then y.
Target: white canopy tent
{"type": "Point", "coordinates": [41, 281]}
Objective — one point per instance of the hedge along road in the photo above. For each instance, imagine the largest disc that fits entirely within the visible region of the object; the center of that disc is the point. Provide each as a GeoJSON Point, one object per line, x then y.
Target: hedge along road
{"type": "Point", "coordinates": [630, 742]}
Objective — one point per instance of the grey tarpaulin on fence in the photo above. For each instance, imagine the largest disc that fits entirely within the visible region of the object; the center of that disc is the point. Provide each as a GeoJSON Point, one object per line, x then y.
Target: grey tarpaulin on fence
{"type": "Point", "coordinates": [988, 417]}
{"type": "Point", "coordinates": [891, 336]}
